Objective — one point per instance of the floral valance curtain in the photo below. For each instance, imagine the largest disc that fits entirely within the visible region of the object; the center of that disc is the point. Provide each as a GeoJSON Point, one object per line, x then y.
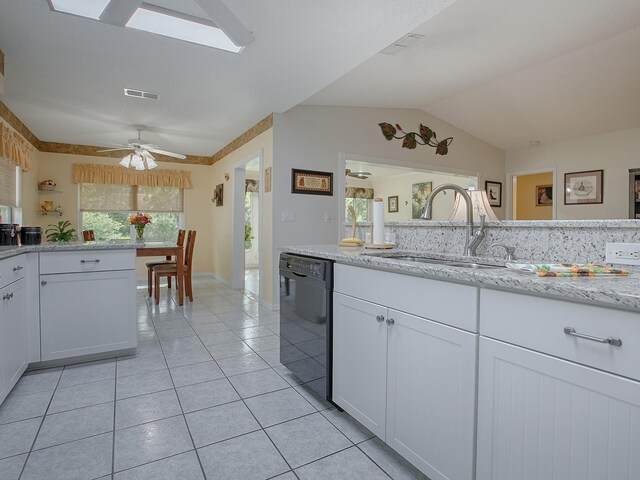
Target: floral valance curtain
{"type": "Point", "coordinates": [15, 148]}
{"type": "Point", "coordinates": [117, 175]}
{"type": "Point", "coordinates": [357, 192]}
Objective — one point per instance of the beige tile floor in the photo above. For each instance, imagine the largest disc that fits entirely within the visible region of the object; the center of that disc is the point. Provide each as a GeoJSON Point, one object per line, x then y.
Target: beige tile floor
{"type": "Point", "coordinates": [205, 397]}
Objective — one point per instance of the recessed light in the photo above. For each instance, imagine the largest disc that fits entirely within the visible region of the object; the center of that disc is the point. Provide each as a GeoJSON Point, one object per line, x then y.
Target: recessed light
{"type": "Point", "coordinates": [534, 142]}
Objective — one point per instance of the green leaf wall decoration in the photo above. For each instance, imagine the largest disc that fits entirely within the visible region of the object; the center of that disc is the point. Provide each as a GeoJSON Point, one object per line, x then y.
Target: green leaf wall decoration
{"type": "Point", "coordinates": [425, 136]}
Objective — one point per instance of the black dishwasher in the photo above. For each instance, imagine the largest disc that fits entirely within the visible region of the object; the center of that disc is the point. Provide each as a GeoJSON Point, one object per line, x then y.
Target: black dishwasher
{"type": "Point", "coordinates": [306, 286]}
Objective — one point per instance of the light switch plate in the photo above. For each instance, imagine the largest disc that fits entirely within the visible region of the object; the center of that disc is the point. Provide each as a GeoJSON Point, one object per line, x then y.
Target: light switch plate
{"type": "Point", "coordinates": [288, 216]}
{"type": "Point", "coordinates": [623, 253]}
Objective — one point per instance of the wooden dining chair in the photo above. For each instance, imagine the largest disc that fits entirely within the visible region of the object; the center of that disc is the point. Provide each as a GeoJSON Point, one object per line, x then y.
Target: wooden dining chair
{"type": "Point", "coordinates": [88, 236]}
{"type": "Point", "coordinates": [171, 270]}
{"type": "Point", "coordinates": [150, 265]}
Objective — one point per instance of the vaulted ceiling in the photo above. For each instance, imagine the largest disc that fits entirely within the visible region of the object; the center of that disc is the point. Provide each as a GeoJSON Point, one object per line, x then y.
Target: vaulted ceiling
{"type": "Point", "coordinates": [506, 71]}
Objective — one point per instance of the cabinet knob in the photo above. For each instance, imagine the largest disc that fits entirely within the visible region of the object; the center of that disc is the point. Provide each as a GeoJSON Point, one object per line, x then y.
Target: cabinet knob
{"type": "Point", "coordinates": [18, 268]}
{"type": "Point", "coordinates": [43, 283]}
{"type": "Point", "coordinates": [390, 321]}
{"type": "Point", "coordinates": [380, 318]}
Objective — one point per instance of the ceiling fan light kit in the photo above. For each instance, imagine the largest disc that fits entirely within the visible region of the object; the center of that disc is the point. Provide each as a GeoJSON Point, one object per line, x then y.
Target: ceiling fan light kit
{"type": "Point", "coordinates": [141, 157]}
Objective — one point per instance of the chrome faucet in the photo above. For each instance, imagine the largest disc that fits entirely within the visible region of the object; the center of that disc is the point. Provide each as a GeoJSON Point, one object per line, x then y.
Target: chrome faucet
{"type": "Point", "coordinates": [510, 252]}
{"type": "Point", "coordinates": [472, 238]}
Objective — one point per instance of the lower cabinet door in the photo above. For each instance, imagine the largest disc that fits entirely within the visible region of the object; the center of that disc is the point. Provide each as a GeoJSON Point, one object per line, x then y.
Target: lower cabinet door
{"type": "Point", "coordinates": [360, 360]}
{"type": "Point", "coordinates": [431, 384]}
{"type": "Point", "coordinates": [540, 417]}
{"type": "Point", "coordinates": [13, 336]}
{"type": "Point", "coordinates": [86, 313]}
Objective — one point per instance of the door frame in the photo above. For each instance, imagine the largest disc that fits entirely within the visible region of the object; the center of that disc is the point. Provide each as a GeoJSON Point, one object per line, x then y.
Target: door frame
{"type": "Point", "coordinates": [237, 220]}
{"type": "Point", "coordinates": [511, 176]}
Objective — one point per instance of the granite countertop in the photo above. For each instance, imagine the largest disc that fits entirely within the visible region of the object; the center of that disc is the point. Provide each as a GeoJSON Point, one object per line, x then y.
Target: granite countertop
{"type": "Point", "coordinates": [11, 251]}
{"type": "Point", "coordinates": [619, 292]}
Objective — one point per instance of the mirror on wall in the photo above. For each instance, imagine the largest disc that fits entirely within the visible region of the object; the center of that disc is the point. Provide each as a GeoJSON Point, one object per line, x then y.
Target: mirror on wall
{"type": "Point", "coordinates": [403, 189]}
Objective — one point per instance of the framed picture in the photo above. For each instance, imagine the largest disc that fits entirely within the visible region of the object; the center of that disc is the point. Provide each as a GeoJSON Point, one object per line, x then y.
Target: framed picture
{"type": "Point", "coordinates": [494, 193]}
{"type": "Point", "coordinates": [392, 205]}
{"type": "Point", "coordinates": [217, 195]}
{"type": "Point", "coordinates": [544, 195]}
{"type": "Point", "coordinates": [583, 187]}
{"type": "Point", "coordinates": [311, 182]}
{"type": "Point", "coordinates": [419, 194]}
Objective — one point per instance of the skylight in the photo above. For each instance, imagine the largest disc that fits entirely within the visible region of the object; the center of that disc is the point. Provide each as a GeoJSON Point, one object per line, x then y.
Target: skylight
{"type": "Point", "coordinates": [182, 29]}
{"type": "Point", "coordinates": [153, 19]}
{"type": "Point", "coordinates": [83, 8]}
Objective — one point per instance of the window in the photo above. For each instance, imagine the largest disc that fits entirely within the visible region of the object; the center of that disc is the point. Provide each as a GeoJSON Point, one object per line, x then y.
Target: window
{"type": "Point", "coordinates": [361, 205]}
{"type": "Point", "coordinates": [105, 209]}
{"type": "Point", "coordinates": [9, 191]}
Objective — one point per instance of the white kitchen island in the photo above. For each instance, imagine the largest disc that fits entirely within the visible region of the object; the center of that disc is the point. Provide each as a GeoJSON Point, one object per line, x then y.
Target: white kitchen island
{"type": "Point", "coordinates": [479, 373]}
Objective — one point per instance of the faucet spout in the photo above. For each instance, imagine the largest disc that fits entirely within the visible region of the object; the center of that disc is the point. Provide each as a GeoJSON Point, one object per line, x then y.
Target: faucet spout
{"type": "Point", "coordinates": [426, 212]}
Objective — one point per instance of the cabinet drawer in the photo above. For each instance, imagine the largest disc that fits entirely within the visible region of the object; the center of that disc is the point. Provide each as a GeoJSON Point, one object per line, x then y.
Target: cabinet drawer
{"type": "Point", "coordinates": [12, 269]}
{"type": "Point", "coordinates": [444, 302]}
{"type": "Point", "coordinates": [87, 261]}
{"type": "Point", "coordinates": [539, 323]}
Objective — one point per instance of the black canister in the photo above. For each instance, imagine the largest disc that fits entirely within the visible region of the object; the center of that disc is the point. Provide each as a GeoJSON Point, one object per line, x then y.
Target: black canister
{"type": "Point", "coordinates": [30, 235]}
{"type": "Point", "coordinates": [8, 234]}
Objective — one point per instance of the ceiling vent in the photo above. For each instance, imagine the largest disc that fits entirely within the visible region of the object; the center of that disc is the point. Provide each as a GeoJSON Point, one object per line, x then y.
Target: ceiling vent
{"type": "Point", "coordinates": [130, 92]}
{"type": "Point", "coordinates": [401, 44]}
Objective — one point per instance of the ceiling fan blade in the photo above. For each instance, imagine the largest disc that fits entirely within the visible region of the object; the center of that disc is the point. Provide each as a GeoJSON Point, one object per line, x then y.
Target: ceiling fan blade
{"type": "Point", "coordinates": [114, 149]}
{"type": "Point", "coordinates": [168, 154]}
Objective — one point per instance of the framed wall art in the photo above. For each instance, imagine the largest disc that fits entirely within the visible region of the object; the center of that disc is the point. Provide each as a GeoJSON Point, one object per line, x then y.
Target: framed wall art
{"type": "Point", "coordinates": [494, 193]}
{"type": "Point", "coordinates": [544, 195]}
{"type": "Point", "coordinates": [217, 195]}
{"type": "Point", "coordinates": [583, 187]}
{"type": "Point", "coordinates": [392, 204]}
{"type": "Point", "coordinates": [311, 182]}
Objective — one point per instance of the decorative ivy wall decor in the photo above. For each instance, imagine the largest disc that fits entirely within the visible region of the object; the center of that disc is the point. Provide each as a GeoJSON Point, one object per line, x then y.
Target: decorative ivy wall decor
{"type": "Point", "coordinates": [412, 139]}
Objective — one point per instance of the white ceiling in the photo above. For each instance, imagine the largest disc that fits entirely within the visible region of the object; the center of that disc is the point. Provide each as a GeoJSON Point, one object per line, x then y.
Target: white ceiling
{"type": "Point", "coordinates": [64, 75]}
{"type": "Point", "coordinates": [506, 71]}
{"type": "Point", "coordinates": [511, 71]}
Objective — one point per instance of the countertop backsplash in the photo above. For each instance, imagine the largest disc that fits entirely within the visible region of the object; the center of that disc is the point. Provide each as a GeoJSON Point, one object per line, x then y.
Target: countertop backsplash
{"type": "Point", "coordinates": [578, 241]}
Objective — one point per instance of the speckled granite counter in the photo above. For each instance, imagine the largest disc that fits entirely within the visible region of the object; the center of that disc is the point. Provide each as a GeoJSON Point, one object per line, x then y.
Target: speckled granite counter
{"type": "Point", "coordinates": [11, 251]}
{"type": "Point", "coordinates": [618, 292]}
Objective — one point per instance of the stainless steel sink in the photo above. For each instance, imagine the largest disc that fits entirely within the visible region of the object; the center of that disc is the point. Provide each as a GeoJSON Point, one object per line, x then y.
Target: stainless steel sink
{"type": "Point", "coordinates": [440, 261]}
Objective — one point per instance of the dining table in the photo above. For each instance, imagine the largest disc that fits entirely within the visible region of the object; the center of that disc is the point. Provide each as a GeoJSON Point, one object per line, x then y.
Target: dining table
{"type": "Point", "coordinates": [166, 249]}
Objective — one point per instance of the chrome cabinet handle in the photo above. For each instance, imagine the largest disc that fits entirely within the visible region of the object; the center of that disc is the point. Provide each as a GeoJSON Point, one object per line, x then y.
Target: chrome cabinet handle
{"type": "Point", "coordinates": [43, 283]}
{"type": "Point", "coordinates": [390, 321]}
{"type": "Point", "coordinates": [380, 318]}
{"type": "Point", "coordinates": [90, 261]}
{"type": "Point", "coordinates": [18, 268]}
{"type": "Point", "coordinates": [616, 342]}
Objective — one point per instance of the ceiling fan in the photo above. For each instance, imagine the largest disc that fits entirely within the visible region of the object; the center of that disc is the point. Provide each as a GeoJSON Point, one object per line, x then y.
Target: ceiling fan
{"type": "Point", "coordinates": [361, 175]}
{"type": "Point", "coordinates": [141, 153]}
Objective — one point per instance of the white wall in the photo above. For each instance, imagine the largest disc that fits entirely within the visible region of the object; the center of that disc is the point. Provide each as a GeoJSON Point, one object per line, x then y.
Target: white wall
{"type": "Point", "coordinates": [312, 137]}
{"type": "Point", "coordinates": [615, 152]}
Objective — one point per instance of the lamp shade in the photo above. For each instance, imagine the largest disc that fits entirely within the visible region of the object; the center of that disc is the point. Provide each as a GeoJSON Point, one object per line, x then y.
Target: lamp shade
{"type": "Point", "coordinates": [480, 204]}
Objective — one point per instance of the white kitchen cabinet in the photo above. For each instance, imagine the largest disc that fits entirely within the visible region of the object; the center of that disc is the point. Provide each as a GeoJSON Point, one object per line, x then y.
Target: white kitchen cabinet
{"type": "Point", "coordinates": [409, 379]}
{"type": "Point", "coordinates": [541, 417]}
{"type": "Point", "coordinates": [13, 335]}
{"type": "Point", "coordinates": [431, 386]}
{"type": "Point", "coordinates": [360, 360]}
{"type": "Point", "coordinates": [87, 313]}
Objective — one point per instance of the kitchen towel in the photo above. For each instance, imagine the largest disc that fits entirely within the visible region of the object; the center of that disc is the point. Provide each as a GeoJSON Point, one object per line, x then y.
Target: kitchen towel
{"type": "Point", "coordinates": [567, 269]}
{"type": "Point", "coordinates": [378, 221]}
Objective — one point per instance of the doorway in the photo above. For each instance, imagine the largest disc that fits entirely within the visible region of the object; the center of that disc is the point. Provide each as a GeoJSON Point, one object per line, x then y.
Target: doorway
{"type": "Point", "coordinates": [532, 195]}
{"type": "Point", "coordinates": [247, 226]}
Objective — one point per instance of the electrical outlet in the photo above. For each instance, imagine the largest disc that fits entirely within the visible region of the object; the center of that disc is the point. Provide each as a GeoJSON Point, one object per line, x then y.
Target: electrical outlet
{"type": "Point", "coordinates": [623, 253]}
{"type": "Point", "coordinates": [288, 216]}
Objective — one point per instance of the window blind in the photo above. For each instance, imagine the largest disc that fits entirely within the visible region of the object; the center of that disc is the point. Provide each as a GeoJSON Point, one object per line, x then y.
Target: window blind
{"type": "Point", "coordinates": [97, 197]}
{"type": "Point", "coordinates": [7, 182]}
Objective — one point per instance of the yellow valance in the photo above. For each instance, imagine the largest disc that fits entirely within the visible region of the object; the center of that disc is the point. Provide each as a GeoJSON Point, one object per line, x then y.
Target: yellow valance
{"type": "Point", "coordinates": [15, 148]}
{"type": "Point", "coordinates": [117, 175]}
